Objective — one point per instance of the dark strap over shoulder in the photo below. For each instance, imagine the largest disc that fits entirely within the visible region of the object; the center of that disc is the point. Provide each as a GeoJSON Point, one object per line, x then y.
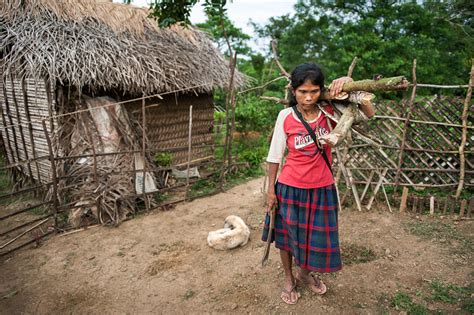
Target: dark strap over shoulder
{"type": "Point", "coordinates": [313, 136]}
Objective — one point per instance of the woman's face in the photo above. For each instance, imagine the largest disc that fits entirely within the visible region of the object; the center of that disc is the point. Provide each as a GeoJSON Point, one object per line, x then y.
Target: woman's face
{"type": "Point", "coordinates": [307, 95]}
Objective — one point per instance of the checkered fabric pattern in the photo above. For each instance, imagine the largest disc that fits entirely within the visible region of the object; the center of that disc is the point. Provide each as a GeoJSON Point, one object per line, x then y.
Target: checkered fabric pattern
{"type": "Point", "coordinates": [306, 225]}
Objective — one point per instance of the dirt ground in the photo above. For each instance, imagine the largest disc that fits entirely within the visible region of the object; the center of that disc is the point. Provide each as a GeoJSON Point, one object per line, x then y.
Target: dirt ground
{"type": "Point", "coordinates": [160, 263]}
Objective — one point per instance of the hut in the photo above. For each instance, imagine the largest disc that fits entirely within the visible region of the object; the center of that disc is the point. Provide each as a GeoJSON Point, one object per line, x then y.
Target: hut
{"type": "Point", "coordinates": [77, 76]}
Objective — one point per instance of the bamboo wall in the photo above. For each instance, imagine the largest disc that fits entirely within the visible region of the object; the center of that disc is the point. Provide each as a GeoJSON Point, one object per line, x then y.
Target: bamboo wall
{"type": "Point", "coordinates": [25, 102]}
{"type": "Point", "coordinates": [167, 123]}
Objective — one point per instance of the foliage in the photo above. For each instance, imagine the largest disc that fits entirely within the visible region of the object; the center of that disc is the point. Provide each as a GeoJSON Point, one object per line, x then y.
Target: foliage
{"type": "Point", "coordinates": [385, 35]}
{"type": "Point", "coordinates": [254, 114]}
{"type": "Point", "coordinates": [225, 33]}
{"type": "Point", "coordinates": [163, 159]}
{"type": "Point", "coordinates": [169, 12]}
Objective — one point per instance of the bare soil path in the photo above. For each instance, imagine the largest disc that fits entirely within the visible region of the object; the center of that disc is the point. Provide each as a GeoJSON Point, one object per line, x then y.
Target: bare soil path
{"type": "Point", "coordinates": [160, 263]}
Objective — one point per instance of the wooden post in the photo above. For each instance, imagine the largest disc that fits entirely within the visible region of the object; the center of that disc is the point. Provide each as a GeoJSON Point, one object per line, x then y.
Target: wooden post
{"type": "Point", "coordinates": [145, 197]}
{"type": "Point", "coordinates": [405, 128]}
{"type": "Point", "coordinates": [403, 203]}
{"type": "Point", "coordinates": [470, 207]}
{"type": "Point", "coordinates": [53, 175]}
{"type": "Point", "coordinates": [190, 130]}
{"type": "Point", "coordinates": [463, 208]}
{"type": "Point", "coordinates": [432, 202]}
{"type": "Point", "coordinates": [445, 205]}
{"type": "Point", "coordinates": [415, 204]}
{"type": "Point", "coordinates": [462, 158]}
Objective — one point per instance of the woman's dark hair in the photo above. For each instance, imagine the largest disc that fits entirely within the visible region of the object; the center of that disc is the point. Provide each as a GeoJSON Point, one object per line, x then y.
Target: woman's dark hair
{"type": "Point", "coordinates": [308, 71]}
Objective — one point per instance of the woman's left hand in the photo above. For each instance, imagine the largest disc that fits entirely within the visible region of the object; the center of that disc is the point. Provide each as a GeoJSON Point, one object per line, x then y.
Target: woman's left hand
{"type": "Point", "coordinates": [336, 85]}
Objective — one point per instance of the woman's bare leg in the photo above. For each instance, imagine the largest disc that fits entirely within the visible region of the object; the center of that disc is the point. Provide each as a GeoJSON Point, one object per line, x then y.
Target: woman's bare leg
{"type": "Point", "coordinates": [287, 261]}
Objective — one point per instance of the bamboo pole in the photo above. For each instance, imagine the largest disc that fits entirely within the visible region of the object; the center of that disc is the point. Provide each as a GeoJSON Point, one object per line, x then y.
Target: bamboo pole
{"type": "Point", "coordinates": [53, 175]}
{"type": "Point", "coordinates": [462, 146]}
{"type": "Point", "coordinates": [23, 233]}
{"type": "Point", "coordinates": [377, 187]}
{"type": "Point", "coordinates": [35, 240]}
{"type": "Point", "coordinates": [232, 65]}
{"type": "Point", "coordinates": [406, 126]}
{"type": "Point", "coordinates": [145, 197]}
{"type": "Point", "coordinates": [190, 130]}
{"type": "Point", "coordinates": [422, 121]}
{"type": "Point", "coordinates": [369, 180]}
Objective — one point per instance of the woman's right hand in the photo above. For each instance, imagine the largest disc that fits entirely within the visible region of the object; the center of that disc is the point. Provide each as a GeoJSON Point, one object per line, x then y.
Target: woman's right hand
{"type": "Point", "coordinates": [271, 201]}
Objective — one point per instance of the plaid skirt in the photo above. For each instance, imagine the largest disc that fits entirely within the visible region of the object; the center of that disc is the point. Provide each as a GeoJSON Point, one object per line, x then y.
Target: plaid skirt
{"type": "Point", "coordinates": [306, 225]}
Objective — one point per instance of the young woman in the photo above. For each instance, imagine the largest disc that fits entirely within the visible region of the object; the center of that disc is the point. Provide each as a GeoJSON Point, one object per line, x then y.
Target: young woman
{"type": "Point", "coordinates": [306, 223]}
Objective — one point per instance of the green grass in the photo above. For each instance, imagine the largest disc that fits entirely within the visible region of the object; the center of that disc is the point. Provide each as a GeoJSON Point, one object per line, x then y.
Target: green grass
{"type": "Point", "coordinates": [441, 233]}
{"type": "Point", "coordinates": [436, 292]}
{"type": "Point", "coordinates": [452, 294]}
{"type": "Point", "coordinates": [403, 301]}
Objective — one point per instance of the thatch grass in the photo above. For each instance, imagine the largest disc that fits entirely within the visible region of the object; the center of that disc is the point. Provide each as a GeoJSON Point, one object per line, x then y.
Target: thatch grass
{"type": "Point", "coordinates": [104, 45]}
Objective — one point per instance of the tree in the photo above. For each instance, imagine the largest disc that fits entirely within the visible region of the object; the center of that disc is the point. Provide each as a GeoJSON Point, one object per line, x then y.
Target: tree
{"type": "Point", "coordinates": [385, 35]}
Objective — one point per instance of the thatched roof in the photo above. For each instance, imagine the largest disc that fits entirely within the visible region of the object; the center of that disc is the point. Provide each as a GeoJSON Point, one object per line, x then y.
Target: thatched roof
{"type": "Point", "coordinates": [104, 45]}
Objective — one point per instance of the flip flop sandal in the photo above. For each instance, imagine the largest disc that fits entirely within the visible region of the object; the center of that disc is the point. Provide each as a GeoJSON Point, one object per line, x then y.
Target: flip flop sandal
{"type": "Point", "coordinates": [322, 288]}
{"type": "Point", "coordinates": [288, 294]}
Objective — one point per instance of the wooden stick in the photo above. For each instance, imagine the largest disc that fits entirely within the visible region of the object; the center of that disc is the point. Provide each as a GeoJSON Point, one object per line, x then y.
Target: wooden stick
{"type": "Point", "coordinates": [443, 86]}
{"type": "Point", "coordinates": [190, 130]}
{"type": "Point", "coordinates": [406, 126]}
{"type": "Point", "coordinates": [351, 67]}
{"type": "Point", "coordinates": [35, 240]}
{"type": "Point", "coordinates": [53, 175]}
{"type": "Point", "coordinates": [422, 121]}
{"type": "Point", "coordinates": [347, 174]}
{"type": "Point", "coordinates": [403, 203]}
{"type": "Point", "coordinates": [386, 198]}
{"type": "Point", "coordinates": [23, 225]}
{"type": "Point", "coordinates": [277, 61]}
{"type": "Point", "coordinates": [23, 233]}
{"type": "Point", "coordinates": [369, 180]}
{"type": "Point", "coordinates": [462, 157]}
{"type": "Point", "coordinates": [377, 187]}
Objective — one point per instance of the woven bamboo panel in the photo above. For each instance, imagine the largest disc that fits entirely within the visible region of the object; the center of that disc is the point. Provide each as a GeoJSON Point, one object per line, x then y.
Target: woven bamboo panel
{"type": "Point", "coordinates": [167, 123]}
{"type": "Point", "coordinates": [24, 104]}
{"type": "Point", "coordinates": [437, 158]}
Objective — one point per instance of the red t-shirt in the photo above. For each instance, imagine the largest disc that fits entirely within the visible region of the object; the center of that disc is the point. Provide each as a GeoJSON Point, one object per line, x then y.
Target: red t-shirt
{"type": "Point", "coordinates": [304, 167]}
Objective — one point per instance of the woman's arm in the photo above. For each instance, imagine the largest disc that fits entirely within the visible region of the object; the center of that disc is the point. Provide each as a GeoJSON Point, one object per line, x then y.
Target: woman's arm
{"type": "Point", "coordinates": [271, 196]}
{"type": "Point", "coordinates": [336, 85]}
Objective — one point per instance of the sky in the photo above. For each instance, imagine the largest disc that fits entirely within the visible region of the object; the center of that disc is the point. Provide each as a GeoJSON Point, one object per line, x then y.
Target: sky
{"type": "Point", "coordinates": [241, 12]}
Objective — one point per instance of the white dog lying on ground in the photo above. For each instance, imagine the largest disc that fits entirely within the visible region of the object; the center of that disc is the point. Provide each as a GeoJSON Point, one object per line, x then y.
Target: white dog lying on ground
{"type": "Point", "coordinates": [235, 233]}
